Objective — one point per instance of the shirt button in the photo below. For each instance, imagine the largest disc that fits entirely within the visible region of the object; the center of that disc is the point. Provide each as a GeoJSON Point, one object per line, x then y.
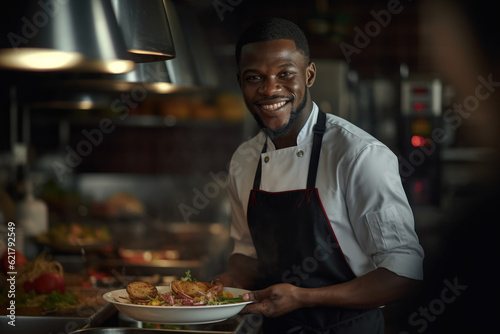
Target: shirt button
{"type": "Point", "coordinates": [300, 153]}
{"type": "Point", "coordinates": [266, 159]}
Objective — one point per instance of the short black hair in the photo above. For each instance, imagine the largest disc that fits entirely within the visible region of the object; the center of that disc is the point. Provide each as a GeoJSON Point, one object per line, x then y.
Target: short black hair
{"type": "Point", "coordinates": [270, 29]}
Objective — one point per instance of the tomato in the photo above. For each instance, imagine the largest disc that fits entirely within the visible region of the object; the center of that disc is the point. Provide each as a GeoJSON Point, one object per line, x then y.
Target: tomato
{"type": "Point", "coordinates": [47, 283]}
{"type": "Point", "coordinates": [15, 258]}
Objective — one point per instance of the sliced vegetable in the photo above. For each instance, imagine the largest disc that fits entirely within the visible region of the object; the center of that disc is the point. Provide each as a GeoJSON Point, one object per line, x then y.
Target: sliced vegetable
{"type": "Point", "coordinates": [200, 303]}
{"type": "Point", "coordinates": [187, 302]}
{"type": "Point", "coordinates": [183, 295]}
{"type": "Point", "coordinates": [169, 299]}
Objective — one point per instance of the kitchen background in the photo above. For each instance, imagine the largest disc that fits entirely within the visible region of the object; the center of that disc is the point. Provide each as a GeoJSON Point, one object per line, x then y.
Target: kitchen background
{"type": "Point", "coordinates": [132, 166]}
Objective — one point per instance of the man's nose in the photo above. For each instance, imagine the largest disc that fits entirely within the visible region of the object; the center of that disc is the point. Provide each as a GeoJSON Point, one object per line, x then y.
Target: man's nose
{"type": "Point", "coordinates": [270, 87]}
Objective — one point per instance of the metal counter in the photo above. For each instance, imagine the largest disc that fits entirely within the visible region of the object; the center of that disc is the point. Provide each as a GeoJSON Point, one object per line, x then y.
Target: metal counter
{"type": "Point", "coordinates": [239, 324]}
{"type": "Point", "coordinates": [86, 315]}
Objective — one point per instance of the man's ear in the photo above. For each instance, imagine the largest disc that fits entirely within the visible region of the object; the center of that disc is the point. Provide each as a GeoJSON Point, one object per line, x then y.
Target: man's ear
{"type": "Point", "coordinates": [310, 74]}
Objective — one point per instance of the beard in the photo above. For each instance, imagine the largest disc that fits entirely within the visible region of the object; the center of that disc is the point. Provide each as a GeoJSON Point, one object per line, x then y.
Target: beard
{"type": "Point", "coordinates": [283, 130]}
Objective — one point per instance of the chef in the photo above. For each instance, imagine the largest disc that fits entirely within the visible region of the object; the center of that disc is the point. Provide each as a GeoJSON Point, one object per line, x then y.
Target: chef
{"type": "Point", "coordinates": [323, 233]}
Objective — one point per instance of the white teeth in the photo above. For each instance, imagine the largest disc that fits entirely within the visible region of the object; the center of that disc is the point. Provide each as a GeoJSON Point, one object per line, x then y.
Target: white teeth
{"type": "Point", "coordinates": [273, 106]}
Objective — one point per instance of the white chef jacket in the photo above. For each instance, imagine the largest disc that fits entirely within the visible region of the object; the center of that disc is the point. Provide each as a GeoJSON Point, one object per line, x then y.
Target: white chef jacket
{"type": "Point", "coordinates": [358, 183]}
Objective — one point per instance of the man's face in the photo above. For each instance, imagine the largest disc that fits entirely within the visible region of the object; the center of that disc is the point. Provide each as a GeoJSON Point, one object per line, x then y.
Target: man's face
{"type": "Point", "coordinates": [274, 77]}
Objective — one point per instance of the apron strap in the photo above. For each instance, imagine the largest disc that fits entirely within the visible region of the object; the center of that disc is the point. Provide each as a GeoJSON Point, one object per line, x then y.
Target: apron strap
{"type": "Point", "coordinates": [258, 173]}
{"type": "Point", "coordinates": [319, 130]}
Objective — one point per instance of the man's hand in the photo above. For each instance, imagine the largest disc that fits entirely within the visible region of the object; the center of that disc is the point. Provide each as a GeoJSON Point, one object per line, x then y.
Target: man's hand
{"type": "Point", "coordinates": [273, 301]}
{"type": "Point", "coordinates": [379, 287]}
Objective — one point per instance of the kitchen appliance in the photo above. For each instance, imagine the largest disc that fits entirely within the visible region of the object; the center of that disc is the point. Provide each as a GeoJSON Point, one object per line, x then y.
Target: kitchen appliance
{"type": "Point", "coordinates": [75, 35]}
{"type": "Point", "coordinates": [421, 136]}
{"type": "Point", "coordinates": [146, 29]}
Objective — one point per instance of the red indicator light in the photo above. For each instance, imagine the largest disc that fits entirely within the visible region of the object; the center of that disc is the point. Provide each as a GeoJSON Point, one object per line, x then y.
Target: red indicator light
{"type": "Point", "coordinates": [418, 186]}
{"type": "Point", "coordinates": [420, 91]}
{"type": "Point", "coordinates": [417, 141]}
{"type": "Point", "coordinates": [419, 106]}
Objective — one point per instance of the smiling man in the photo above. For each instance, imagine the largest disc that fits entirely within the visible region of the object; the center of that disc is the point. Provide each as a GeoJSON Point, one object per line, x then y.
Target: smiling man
{"type": "Point", "coordinates": [323, 232]}
{"type": "Point", "coordinates": [274, 79]}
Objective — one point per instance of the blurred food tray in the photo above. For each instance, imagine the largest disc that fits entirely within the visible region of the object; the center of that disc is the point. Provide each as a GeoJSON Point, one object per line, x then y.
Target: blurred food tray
{"type": "Point", "coordinates": [90, 313]}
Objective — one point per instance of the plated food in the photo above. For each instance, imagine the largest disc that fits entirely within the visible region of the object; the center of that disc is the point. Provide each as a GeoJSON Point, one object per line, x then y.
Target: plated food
{"type": "Point", "coordinates": [183, 292]}
{"type": "Point", "coordinates": [183, 306]}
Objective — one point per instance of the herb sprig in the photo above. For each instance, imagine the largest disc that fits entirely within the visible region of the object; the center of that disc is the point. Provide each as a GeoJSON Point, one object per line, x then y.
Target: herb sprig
{"type": "Point", "coordinates": [188, 277]}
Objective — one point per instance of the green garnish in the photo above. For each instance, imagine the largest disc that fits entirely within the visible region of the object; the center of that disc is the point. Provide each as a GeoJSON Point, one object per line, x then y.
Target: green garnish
{"type": "Point", "coordinates": [56, 300]}
{"type": "Point", "coordinates": [188, 277]}
{"type": "Point", "coordinates": [226, 300]}
{"type": "Point", "coordinates": [232, 300]}
{"type": "Point", "coordinates": [153, 299]}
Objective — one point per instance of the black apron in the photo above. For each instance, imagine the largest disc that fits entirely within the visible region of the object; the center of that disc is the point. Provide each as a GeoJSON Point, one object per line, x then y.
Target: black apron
{"type": "Point", "coordinates": [296, 244]}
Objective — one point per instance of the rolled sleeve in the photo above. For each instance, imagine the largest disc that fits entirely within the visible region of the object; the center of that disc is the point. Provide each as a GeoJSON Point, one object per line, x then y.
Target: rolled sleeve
{"type": "Point", "coordinates": [381, 217]}
{"type": "Point", "coordinates": [406, 264]}
{"type": "Point", "coordinates": [240, 232]}
{"type": "Point", "coordinates": [392, 243]}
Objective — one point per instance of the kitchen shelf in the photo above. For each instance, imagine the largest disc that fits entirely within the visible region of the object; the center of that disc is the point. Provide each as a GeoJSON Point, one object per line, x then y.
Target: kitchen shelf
{"type": "Point", "coordinates": [467, 154]}
{"type": "Point", "coordinates": [132, 120]}
{"type": "Point", "coordinates": [155, 121]}
{"type": "Point", "coordinates": [157, 267]}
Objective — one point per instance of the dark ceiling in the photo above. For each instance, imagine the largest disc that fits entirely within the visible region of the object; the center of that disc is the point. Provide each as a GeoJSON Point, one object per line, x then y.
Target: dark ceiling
{"type": "Point", "coordinates": [331, 27]}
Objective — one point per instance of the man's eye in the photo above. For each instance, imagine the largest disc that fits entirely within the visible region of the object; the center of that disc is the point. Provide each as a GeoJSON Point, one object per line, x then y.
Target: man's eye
{"type": "Point", "coordinates": [252, 78]}
{"type": "Point", "coordinates": [286, 74]}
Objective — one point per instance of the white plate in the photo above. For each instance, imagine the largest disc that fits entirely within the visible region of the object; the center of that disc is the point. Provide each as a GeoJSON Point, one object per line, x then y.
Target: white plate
{"type": "Point", "coordinates": [178, 315]}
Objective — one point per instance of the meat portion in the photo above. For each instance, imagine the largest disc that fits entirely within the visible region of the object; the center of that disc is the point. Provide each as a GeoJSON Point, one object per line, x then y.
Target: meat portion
{"type": "Point", "coordinates": [192, 289]}
{"type": "Point", "coordinates": [137, 291]}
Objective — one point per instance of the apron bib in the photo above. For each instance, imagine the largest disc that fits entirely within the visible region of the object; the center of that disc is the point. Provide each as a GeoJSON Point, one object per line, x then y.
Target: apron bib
{"type": "Point", "coordinates": [296, 244]}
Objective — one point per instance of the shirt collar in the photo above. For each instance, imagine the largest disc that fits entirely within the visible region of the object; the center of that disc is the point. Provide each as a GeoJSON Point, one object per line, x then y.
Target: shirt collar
{"type": "Point", "coordinates": [307, 129]}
